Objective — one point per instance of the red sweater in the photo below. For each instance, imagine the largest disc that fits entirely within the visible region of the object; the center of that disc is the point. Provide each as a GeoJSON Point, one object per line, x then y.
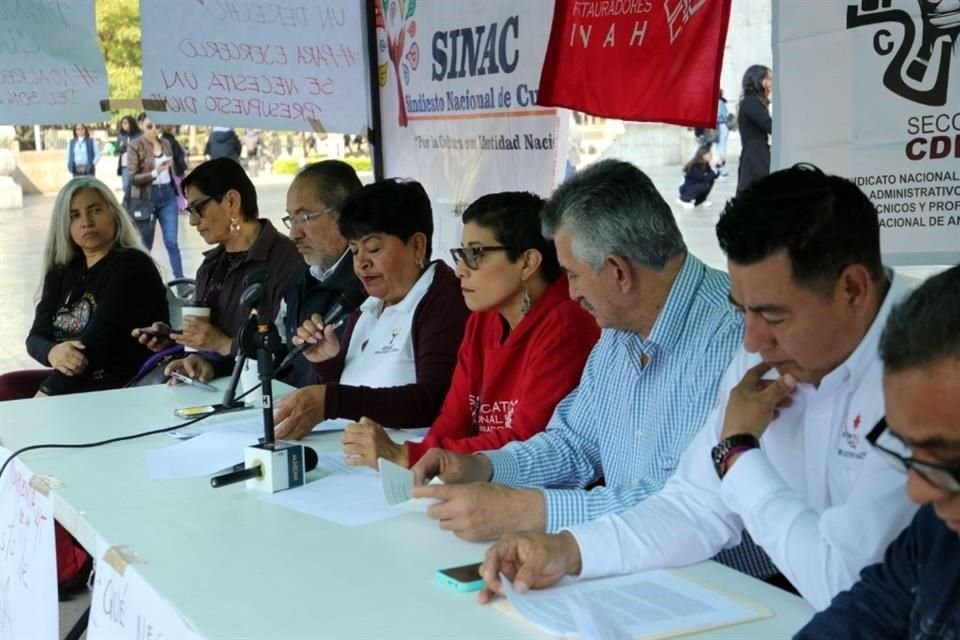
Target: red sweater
{"type": "Point", "coordinates": [504, 390]}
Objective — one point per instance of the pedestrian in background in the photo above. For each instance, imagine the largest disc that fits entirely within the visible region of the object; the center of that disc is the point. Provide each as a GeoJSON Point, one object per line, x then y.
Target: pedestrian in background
{"type": "Point", "coordinates": [128, 131]}
{"type": "Point", "coordinates": [83, 153]}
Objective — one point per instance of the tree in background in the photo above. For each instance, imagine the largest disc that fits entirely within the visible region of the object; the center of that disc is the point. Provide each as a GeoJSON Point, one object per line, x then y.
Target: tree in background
{"type": "Point", "coordinates": [118, 29]}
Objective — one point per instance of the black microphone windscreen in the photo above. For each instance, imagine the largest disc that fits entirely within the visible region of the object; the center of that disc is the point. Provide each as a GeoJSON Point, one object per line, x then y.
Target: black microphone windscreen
{"type": "Point", "coordinates": [310, 458]}
{"type": "Point", "coordinates": [260, 275]}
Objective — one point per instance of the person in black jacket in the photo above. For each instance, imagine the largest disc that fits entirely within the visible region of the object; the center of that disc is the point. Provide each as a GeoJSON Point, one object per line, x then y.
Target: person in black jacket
{"type": "Point", "coordinates": [129, 131]}
{"type": "Point", "coordinates": [99, 283]}
{"type": "Point", "coordinates": [698, 179]}
{"type": "Point", "coordinates": [223, 143]}
{"type": "Point", "coordinates": [755, 124]}
{"type": "Point", "coordinates": [314, 201]}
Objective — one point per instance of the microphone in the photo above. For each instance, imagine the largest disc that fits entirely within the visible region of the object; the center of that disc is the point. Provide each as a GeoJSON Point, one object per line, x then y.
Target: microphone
{"type": "Point", "coordinates": [348, 302]}
{"type": "Point", "coordinates": [296, 460]}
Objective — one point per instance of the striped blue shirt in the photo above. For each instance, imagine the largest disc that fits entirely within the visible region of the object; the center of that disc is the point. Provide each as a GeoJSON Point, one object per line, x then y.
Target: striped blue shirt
{"type": "Point", "coordinates": [627, 423]}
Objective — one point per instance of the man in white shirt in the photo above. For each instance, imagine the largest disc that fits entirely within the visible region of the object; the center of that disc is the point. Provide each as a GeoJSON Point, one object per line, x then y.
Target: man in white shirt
{"type": "Point", "coordinates": [783, 455]}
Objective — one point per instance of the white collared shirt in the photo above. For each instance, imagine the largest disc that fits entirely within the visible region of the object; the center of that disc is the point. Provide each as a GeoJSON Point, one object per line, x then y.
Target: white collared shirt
{"type": "Point", "coordinates": [323, 275]}
{"type": "Point", "coordinates": [381, 346]}
{"type": "Point", "coordinates": [314, 272]}
{"type": "Point", "coordinates": [814, 496]}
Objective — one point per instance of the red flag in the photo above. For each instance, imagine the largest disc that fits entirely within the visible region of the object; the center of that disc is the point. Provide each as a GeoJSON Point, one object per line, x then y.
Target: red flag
{"type": "Point", "coordinates": [647, 60]}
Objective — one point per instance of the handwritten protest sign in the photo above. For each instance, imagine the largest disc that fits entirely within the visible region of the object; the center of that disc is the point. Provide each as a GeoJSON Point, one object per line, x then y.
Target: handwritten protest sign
{"type": "Point", "coordinates": [28, 571]}
{"type": "Point", "coordinates": [51, 66]}
{"type": "Point", "coordinates": [124, 605]}
{"type": "Point", "coordinates": [282, 64]}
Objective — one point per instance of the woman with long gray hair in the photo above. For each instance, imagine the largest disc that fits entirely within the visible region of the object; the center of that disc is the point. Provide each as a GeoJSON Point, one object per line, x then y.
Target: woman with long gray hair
{"type": "Point", "coordinates": [98, 284]}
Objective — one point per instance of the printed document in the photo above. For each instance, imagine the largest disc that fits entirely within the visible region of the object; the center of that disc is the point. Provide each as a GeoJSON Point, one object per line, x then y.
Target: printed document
{"type": "Point", "coordinates": [654, 604]}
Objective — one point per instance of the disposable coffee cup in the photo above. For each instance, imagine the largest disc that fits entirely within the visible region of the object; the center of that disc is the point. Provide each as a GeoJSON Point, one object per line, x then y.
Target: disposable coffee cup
{"type": "Point", "coordinates": [197, 312]}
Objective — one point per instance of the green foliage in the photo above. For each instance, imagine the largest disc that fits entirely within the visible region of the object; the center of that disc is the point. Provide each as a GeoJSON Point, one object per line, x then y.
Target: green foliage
{"type": "Point", "coordinates": [359, 163]}
{"type": "Point", "coordinates": [118, 28]}
{"type": "Point", "coordinates": [285, 166]}
{"type": "Point", "coordinates": [289, 166]}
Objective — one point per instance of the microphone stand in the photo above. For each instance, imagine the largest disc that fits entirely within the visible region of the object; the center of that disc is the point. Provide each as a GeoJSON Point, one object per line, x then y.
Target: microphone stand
{"type": "Point", "coordinates": [259, 338]}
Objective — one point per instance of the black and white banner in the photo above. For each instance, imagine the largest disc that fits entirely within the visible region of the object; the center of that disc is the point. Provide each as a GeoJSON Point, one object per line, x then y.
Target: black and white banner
{"type": "Point", "coordinates": [870, 89]}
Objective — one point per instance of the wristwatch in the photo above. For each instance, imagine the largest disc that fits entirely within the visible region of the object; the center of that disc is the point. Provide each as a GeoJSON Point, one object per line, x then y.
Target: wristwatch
{"type": "Point", "coordinates": [721, 453]}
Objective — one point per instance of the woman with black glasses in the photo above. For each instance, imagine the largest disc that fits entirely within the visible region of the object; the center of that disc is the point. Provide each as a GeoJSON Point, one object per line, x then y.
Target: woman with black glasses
{"type": "Point", "coordinates": [524, 347]}
{"type": "Point", "coordinates": [222, 205]}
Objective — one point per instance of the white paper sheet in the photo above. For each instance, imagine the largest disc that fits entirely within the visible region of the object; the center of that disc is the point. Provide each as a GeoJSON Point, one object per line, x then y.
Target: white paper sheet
{"type": "Point", "coordinates": [349, 499]}
{"type": "Point", "coordinates": [335, 462]}
{"type": "Point", "coordinates": [248, 423]}
{"type": "Point", "coordinates": [397, 481]}
{"type": "Point", "coordinates": [199, 456]}
{"type": "Point", "coordinates": [643, 605]}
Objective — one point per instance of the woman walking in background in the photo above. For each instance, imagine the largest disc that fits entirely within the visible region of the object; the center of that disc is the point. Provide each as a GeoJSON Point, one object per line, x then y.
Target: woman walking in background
{"type": "Point", "coordinates": [755, 125]}
{"type": "Point", "coordinates": [129, 131]}
{"type": "Point", "coordinates": [150, 161]}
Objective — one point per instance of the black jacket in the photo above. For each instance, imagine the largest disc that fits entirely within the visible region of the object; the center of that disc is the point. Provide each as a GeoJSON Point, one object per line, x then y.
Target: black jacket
{"type": "Point", "coordinates": [99, 307]}
{"type": "Point", "coordinates": [755, 125]}
{"type": "Point", "coordinates": [305, 296]}
{"type": "Point", "coordinates": [223, 144]}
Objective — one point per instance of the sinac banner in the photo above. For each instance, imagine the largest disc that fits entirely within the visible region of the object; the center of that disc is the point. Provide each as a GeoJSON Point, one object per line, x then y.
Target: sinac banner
{"type": "Point", "coordinates": [458, 88]}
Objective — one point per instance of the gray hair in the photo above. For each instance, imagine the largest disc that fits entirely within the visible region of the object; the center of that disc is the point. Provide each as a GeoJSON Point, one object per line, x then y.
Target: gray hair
{"type": "Point", "coordinates": [924, 328]}
{"type": "Point", "coordinates": [612, 207]}
{"type": "Point", "coordinates": [60, 248]}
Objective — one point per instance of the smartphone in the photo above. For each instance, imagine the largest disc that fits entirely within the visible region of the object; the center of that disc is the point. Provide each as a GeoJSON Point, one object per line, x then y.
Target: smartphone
{"type": "Point", "coordinates": [153, 333]}
{"type": "Point", "coordinates": [464, 578]}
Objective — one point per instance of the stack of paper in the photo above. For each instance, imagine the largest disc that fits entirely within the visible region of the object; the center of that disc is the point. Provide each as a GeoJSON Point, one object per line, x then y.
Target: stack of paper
{"type": "Point", "coordinates": [655, 604]}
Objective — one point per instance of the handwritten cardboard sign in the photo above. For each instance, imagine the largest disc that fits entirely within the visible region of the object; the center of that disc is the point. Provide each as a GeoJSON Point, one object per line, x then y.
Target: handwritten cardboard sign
{"type": "Point", "coordinates": [51, 66]}
{"type": "Point", "coordinates": [124, 605]}
{"type": "Point", "coordinates": [28, 567]}
{"type": "Point", "coordinates": [283, 64]}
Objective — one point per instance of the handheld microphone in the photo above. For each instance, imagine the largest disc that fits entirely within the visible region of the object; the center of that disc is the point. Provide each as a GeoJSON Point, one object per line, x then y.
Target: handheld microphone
{"type": "Point", "coordinates": [349, 302]}
{"type": "Point", "coordinates": [295, 460]}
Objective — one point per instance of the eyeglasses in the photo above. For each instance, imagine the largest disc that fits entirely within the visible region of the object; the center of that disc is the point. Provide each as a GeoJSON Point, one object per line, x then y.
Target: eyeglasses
{"type": "Point", "coordinates": [303, 218]}
{"type": "Point", "coordinates": [195, 209]}
{"type": "Point", "coordinates": [940, 477]}
{"type": "Point", "coordinates": [471, 255]}
{"type": "Point", "coordinates": [149, 126]}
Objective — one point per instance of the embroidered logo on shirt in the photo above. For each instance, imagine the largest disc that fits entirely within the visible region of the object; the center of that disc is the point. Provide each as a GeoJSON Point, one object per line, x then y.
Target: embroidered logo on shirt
{"type": "Point", "coordinates": [70, 321]}
{"type": "Point", "coordinates": [851, 438]}
{"type": "Point", "coordinates": [389, 348]}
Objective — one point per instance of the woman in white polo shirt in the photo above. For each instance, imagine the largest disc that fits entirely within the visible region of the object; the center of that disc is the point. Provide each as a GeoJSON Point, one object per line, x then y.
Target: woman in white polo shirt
{"type": "Point", "coordinates": [398, 352]}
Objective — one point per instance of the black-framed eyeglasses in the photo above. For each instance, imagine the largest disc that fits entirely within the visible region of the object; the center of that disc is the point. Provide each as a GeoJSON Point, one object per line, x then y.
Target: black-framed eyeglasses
{"type": "Point", "coordinates": [471, 255]}
{"type": "Point", "coordinates": [303, 218]}
{"type": "Point", "coordinates": [195, 209]}
{"type": "Point", "coordinates": [938, 476]}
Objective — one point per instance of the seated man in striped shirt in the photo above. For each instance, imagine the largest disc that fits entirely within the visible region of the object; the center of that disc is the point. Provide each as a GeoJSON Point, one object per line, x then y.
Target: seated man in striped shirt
{"type": "Point", "coordinates": [784, 455]}
{"type": "Point", "coordinates": [669, 333]}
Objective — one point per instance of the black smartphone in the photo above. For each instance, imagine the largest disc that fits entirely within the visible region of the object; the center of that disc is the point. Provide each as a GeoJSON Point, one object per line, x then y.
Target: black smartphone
{"type": "Point", "coordinates": [154, 333]}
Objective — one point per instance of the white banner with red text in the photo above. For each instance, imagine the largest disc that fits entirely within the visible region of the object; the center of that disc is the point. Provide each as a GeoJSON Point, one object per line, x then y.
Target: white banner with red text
{"type": "Point", "coordinates": [293, 65]}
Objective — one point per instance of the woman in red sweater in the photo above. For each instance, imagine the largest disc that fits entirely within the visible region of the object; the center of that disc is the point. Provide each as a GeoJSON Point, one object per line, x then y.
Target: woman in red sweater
{"type": "Point", "coordinates": [524, 347]}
